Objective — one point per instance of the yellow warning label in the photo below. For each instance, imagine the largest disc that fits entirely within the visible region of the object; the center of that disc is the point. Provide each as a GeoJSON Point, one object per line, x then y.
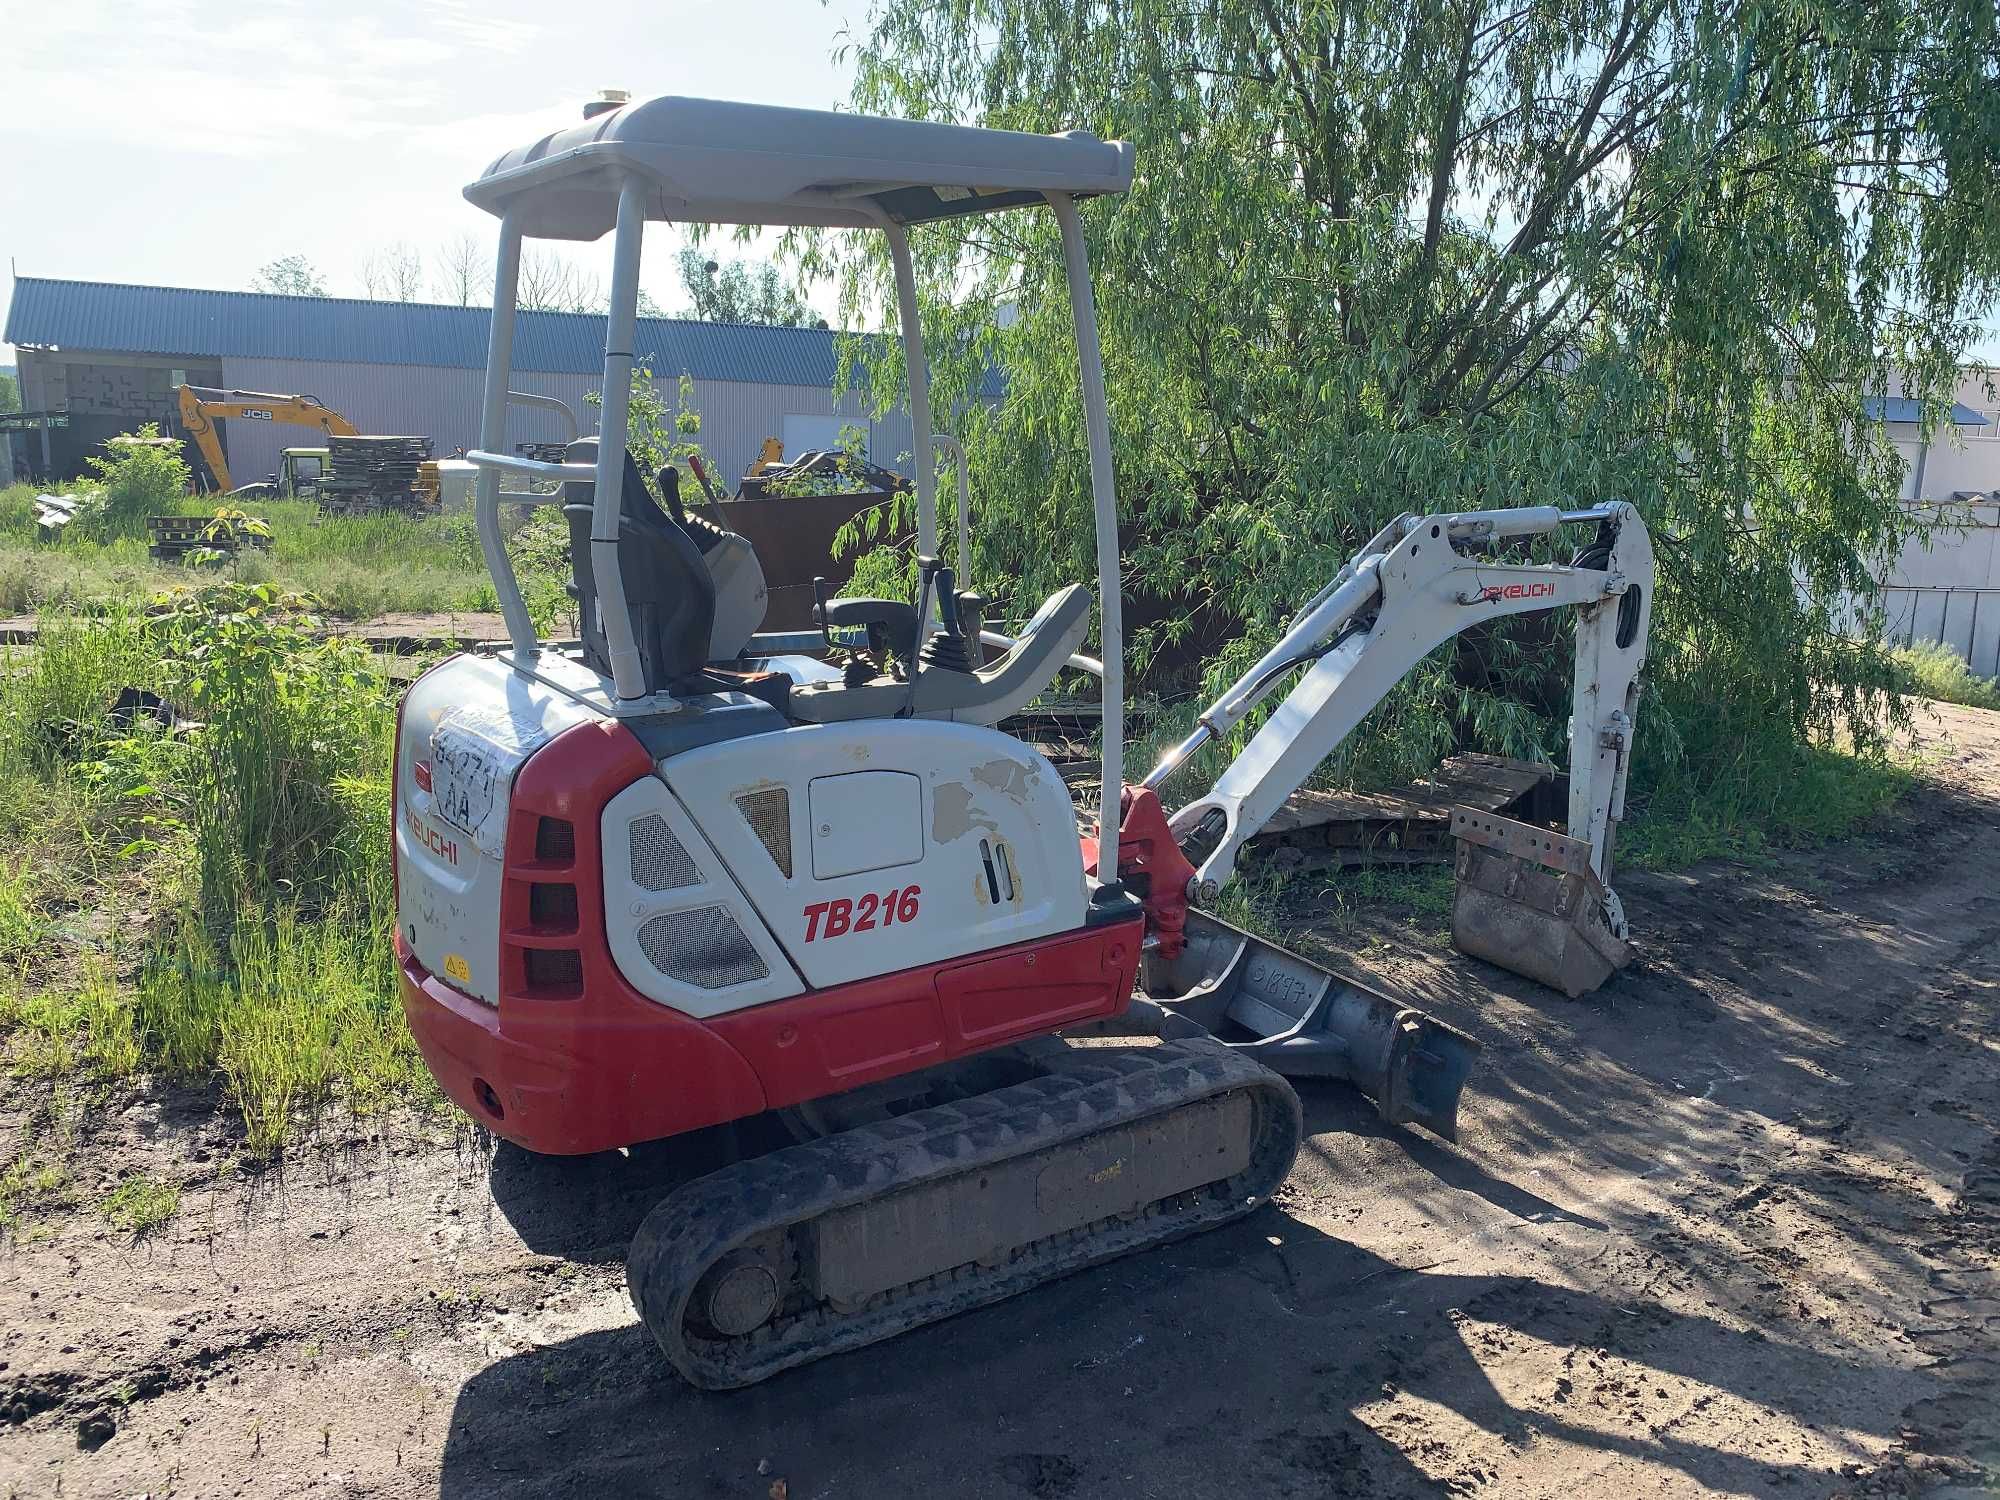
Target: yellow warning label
{"type": "Point", "coordinates": [455, 967]}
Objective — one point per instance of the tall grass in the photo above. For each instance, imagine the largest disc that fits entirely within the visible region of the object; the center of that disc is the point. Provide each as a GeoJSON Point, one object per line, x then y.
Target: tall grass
{"type": "Point", "coordinates": [358, 567]}
{"type": "Point", "coordinates": [257, 827]}
{"type": "Point", "coordinates": [1936, 671]}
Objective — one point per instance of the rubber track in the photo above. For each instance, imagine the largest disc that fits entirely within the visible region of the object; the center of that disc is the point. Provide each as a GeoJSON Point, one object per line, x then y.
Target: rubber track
{"type": "Point", "coordinates": [1096, 1089]}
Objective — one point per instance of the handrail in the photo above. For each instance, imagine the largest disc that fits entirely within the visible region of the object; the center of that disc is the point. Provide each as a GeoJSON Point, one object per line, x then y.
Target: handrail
{"type": "Point", "coordinates": [549, 403]}
{"type": "Point", "coordinates": [944, 442]}
{"type": "Point", "coordinates": [534, 468]}
{"type": "Point", "coordinates": [493, 431]}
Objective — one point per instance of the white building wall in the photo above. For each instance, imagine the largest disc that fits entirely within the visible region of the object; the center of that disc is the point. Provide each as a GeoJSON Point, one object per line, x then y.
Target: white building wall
{"type": "Point", "coordinates": [1948, 589]}
{"type": "Point", "coordinates": [1957, 459]}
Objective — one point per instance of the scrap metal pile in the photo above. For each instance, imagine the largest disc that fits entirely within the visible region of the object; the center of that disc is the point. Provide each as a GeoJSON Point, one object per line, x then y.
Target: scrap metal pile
{"type": "Point", "coordinates": [370, 474]}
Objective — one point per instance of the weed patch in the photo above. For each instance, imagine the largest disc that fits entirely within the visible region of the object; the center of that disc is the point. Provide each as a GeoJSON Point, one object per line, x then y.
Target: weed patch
{"type": "Point", "coordinates": [357, 567]}
{"type": "Point", "coordinates": [1939, 672]}
{"type": "Point", "coordinates": [30, 1185]}
{"type": "Point", "coordinates": [141, 1204]}
{"type": "Point", "coordinates": [87, 1033]}
{"type": "Point", "coordinates": [1825, 793]}
{"type": "Point", "coordinates": [254, 800]}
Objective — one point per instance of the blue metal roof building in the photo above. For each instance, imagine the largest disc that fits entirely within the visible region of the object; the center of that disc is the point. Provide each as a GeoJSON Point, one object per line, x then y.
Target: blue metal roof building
{"type": "Point", "coordinates": [259, 325]}
{"type": "Point", "coordinates": [1907, 409]}
{"type": "Point", "coordinates": [109, 353]}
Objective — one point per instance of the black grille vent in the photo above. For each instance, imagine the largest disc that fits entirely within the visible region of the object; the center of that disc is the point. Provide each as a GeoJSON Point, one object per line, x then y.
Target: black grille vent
{"type": "Point", "coordinates": [553, 973]}
{"type": "Point", "coordinates": [769, 814]}
{"type": "Point", "coordinates": [555, 841]}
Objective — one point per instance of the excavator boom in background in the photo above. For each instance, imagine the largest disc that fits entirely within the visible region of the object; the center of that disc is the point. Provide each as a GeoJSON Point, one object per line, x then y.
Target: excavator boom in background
{"type": "Point", "coordinates": [302, 472]}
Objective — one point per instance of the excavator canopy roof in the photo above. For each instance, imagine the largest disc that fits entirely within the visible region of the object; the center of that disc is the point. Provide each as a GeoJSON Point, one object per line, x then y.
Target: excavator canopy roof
{"type": "Point", "coordinates": [708, 161]}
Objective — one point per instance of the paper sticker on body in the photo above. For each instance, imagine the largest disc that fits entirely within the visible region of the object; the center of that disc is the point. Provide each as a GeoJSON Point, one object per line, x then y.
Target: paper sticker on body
{"type": "Point", "coordinates": [475, 752]}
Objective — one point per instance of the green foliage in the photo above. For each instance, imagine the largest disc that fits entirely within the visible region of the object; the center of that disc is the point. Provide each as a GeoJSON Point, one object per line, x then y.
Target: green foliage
{"type": "Point", "coordinates": [30, 1183]}
{"type": "Point", "coordinates": [257, 828]}
{"type": "Point", "coordinates": [86, 1031]}
{"type": "Point", "coordinates": [845, 477]}
{"type": "Point", "coordinates": [291, 276]}
{"type": "Point", "coordinates": [1765, 797]}
{"type": "Point", "coordinates": [1465, 255]}
{"type": "Point", "coordinates": [294, 1009]}
{"type": "Point", "coordinates": [1936, 671]}
{"type": "Point", "coordinates": [285, 715]}
{"type": "Point", "coordinates": [10, 393]}
{"type": "Point", "coordinates": [141, 1204]}
{"type": "Point", "coordinates": [357, 566]}
{"type": "Point", "coordinates": [659, 432]}
{"type": "Point", "coordinates": [134, 481]}
{"type": "Point", "coordinates": [57, 700]}
{"type": "Point", "coordinates": [228, 535]}
{"type": "Point", "coordinates": [744, 291]}
{"type": "Point", "coordinates": [21, 918]}
{"type": "Point", "coordinates": [542, 567]}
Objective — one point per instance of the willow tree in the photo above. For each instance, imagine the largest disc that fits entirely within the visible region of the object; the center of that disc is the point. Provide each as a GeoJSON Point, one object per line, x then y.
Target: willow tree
{"type": "Point", "coordinates": [1398, 254]}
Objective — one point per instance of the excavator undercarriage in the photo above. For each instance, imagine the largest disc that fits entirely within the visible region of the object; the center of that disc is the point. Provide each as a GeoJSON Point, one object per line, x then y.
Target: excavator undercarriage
{"type": "Point", "coordinates": [1099, 1151]}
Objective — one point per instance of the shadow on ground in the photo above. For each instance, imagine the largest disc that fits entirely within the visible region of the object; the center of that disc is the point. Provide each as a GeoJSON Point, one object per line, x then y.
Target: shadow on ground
{"type": "Point", "coordinates": [1749, 1120]}
{"type": "Point", "coordinates": [1230, 1365]}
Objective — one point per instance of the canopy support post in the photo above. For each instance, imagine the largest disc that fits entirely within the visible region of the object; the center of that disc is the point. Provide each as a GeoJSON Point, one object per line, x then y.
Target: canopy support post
{"type": "Point", "coordinates": [493, 438]}
{"type": "Point", "coordinates": [920, 392]}
{"type": "Point", "coordinates": [628, 677]}
{"type": "Point", "coordinates": [1104, 503]}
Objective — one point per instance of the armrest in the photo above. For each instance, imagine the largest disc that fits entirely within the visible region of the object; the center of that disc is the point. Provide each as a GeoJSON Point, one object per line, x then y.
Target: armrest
{"type": "Point", "coordinates": [896, 620]}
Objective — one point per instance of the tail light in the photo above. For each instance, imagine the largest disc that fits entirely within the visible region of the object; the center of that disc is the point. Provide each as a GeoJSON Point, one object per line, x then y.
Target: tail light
{"type": "Point", "coordinates": [540, 939]}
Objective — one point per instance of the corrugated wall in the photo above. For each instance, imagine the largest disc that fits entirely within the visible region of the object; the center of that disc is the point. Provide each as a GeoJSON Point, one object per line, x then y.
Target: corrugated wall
{"type": "Point", "coordinates": [443, 404]}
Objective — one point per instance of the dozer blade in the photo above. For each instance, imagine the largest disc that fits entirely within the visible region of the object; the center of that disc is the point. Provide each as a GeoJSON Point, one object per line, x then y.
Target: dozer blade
{"type": "Point", "coordinates": [1528, 900]}
{"type": "Point", "coordinates": [1305, 1021]}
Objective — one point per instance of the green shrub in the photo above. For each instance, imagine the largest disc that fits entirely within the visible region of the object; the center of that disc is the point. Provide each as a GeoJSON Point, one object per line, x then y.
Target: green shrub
{"type": "Point", "coordinates": [1937, 671]}
{"type": "Point", "coordinates": [133, 482]}
{"type": "Point", "coordinates": [540, 552]}
{"type": "Point", "coordinates": [287, 717]}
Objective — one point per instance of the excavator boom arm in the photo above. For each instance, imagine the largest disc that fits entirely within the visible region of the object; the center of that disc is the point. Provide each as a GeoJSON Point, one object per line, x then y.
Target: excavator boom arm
{"type": "Point", "coordinates": [1417, 584]}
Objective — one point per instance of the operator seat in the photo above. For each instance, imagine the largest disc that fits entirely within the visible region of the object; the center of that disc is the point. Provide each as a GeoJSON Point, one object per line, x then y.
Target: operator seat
{"type": "Point", "coordinates": [740, 596]}
{"type": "Point", "coordinates": [668, 589]}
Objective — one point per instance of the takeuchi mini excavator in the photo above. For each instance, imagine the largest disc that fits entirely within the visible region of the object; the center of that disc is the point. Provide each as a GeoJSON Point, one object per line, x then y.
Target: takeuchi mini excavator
{"type": "Point", "coordinates": [682, 871]}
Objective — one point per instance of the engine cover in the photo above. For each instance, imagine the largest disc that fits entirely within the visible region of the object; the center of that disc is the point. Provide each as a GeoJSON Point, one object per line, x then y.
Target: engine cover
{"type": "Point", "coordinates": [873, 846]}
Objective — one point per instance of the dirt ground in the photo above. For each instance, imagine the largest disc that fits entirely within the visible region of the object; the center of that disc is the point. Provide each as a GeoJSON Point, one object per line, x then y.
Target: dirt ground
{"type": "Point", "coordinates": [1731, 1226]}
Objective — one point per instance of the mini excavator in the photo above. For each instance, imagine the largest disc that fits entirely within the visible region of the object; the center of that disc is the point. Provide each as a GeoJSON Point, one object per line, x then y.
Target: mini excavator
{"type": "Point", "coordinates": [680, 871]}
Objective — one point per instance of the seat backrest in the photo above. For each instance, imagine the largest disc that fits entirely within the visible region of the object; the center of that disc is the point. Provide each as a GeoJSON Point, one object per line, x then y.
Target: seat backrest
{"type": "Point", "coordinates": [669, 594]}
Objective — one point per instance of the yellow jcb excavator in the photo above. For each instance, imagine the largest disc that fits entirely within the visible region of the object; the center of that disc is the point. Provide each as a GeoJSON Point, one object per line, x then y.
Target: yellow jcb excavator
{"type": "Point", "coordinates": [201, 408]}
{"type": "Point", "coordinates": [300, 470]}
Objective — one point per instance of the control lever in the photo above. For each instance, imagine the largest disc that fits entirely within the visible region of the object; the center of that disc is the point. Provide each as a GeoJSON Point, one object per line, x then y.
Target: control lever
{"type": "Point", "coordinates": [825, 624]}
{"type": "Point", "coordinates": [946, 651]}
{"type": "Point", "coordinates": [927, 571]}
{"type": "Point", "coordinates": [707, 489]}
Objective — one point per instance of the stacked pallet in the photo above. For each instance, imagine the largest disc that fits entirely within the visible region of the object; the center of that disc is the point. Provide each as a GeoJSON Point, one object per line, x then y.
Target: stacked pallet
{"type": "Point", "coordinates": [370, 474]}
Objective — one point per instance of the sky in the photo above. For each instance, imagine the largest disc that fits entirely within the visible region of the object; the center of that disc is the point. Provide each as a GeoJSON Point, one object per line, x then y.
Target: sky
{"type": "Point", "coordinates": [175, 144]}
